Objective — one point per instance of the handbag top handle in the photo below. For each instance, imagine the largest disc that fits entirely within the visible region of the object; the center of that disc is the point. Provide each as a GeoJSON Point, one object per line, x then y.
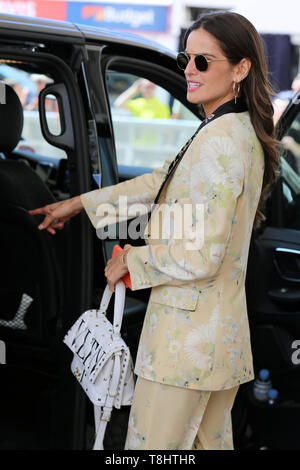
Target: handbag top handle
{"type": "Point", "coordinates": [120, 292]}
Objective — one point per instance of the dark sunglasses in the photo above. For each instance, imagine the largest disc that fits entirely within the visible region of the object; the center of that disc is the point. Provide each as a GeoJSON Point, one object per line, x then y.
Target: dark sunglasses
{"type": "Point", "coordinates": [201, 61]}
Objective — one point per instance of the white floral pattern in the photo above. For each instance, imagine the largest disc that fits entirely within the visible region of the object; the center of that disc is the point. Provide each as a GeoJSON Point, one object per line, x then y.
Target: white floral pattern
{"type": "Point", "coordinates": [153, 323]}
{"type": "Point", "coordinates": [174, 346]}
{"type": "Point", "coordinates": [144, 362]}
{"type": "Point", "coordinates": [222, 169]}
{"type": "Point", "coordinates": [217, 252]}
{"type": "Point", "coordinates": [134, 438]}
{"type": "Point", "coordinates": [199, 343]}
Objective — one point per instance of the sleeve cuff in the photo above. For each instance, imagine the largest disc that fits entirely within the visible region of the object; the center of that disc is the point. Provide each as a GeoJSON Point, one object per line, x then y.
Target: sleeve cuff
{"type": "Point", "coordinates": [142, 273]}
{"type": "Point", "coordinates": [89, 208]}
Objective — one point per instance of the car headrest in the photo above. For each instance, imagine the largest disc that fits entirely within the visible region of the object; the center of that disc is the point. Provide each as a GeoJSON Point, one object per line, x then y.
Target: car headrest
{"type": "Point", "coordinates": [11, 120]}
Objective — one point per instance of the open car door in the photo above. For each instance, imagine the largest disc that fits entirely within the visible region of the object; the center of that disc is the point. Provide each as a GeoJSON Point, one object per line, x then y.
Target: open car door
{"type": "Point", "coordinates": [273, 297]}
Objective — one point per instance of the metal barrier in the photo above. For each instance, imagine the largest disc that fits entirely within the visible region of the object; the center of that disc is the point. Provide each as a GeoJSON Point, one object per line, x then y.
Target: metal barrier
{"type": "Point", "coordinates": [33, 139]}
{"type": "Point", "coordinates": [139, 142]}
{"type": "Point", "coordinates": [149, 142]}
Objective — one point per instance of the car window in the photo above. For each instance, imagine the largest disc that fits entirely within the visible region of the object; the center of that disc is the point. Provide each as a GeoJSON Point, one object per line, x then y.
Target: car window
{"type": "Point", "coordinates": [28, 86]}
{"type": "Point", "coordinates": [290, 170]}
{"type": "Point", "coordinates": [150, 126]}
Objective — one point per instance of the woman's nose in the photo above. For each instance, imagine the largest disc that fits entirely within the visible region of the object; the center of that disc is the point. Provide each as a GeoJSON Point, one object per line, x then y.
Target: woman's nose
{"type": "Point", "coordinates": [190, 68]}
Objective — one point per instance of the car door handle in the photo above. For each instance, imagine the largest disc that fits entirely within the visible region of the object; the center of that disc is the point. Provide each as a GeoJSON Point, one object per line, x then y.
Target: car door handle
{"type": "Point", "coordinates": [285, 295]}
{"type": "Point", "coordinates": [287, 262]}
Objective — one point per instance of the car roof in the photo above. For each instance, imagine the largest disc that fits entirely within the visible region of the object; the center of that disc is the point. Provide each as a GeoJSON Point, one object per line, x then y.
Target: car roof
{"type": "Point", "coordinates": [81, 32]}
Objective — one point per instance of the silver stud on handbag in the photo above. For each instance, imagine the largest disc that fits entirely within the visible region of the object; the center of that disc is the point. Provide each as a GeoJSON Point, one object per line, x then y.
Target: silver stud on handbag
{"type": "Point", "coordinates": [102, 363]}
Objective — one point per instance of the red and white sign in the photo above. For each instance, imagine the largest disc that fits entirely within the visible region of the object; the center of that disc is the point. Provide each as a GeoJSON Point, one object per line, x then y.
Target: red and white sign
{"type": "Point", "coordinates": [35, 8]}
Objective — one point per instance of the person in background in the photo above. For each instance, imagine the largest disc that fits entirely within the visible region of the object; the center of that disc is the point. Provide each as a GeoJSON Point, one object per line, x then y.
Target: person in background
{"type": "Point", "coordinates": [291, 141]}
{"type": "Point", "coordinates": [147, 106]}
{"type": "Point", "coordinates": [296, 84]}
{"type": "Point", "coordinates": [40, 82]}
{"type": "Point", "coordinates": [19, 89]}
{"type": "Point", "coordinates": [283, 98]}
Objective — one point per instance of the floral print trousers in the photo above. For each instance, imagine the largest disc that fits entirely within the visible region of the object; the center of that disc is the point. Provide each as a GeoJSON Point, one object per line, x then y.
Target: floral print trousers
{"type": "Point", "coordinates": [164, 417]}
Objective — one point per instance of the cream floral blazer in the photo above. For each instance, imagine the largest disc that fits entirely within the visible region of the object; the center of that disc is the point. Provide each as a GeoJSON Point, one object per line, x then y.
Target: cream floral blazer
{"type": "Point", "coordinates": [195, 332]}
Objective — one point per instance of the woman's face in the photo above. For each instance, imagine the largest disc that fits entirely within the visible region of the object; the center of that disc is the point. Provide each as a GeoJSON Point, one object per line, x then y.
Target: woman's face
{"type": "Point", "coordinates": [147, 89]}
{"type": "Point", "coordinates": [214, 86]}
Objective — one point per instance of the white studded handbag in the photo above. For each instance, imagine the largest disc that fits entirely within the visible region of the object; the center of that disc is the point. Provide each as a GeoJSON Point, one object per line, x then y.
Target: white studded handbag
{"type": "Point", "coordinates": [102, 362]}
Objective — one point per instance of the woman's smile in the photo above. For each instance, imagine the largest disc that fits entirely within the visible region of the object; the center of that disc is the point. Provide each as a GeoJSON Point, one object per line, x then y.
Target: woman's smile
{"type": "Point", "coordinates": [192, 86]}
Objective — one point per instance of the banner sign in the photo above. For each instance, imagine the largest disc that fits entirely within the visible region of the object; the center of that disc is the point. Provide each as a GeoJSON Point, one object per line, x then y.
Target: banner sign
{"type": "Point", "coordinates": [119, 16]}
{"type": "Point", "coordinates": [35, 8]}
{"type": "Point", "coordinates": [134, 17]}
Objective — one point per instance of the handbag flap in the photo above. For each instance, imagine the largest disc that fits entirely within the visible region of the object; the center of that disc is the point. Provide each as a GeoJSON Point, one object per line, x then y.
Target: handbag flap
{"type": "Point", "coordinates": [93, 341]}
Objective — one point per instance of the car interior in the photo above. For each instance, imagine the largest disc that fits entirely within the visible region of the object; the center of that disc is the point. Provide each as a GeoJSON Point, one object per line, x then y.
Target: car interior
{"type": "Point", "coordinates": [32, 284]}
{"type": "Point", "coordinates": [273, 300]}
{"type": "Point", "coordinates": [36, 276]}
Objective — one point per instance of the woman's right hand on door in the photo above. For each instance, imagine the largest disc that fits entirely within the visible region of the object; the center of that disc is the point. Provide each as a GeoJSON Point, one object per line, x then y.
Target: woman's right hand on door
{"type": "Point", "coordinates": [58, 213]}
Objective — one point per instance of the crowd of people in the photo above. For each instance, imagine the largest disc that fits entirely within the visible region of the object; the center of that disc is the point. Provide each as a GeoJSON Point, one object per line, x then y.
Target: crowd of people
{"type": "Point", "coordinates": [29, 99]}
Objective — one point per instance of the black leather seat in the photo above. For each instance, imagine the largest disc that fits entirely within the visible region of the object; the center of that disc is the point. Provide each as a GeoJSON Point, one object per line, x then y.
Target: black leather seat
{"type": "Point", "coordinates": [31, 298]}
{"type": "Point", "coordinates": [31, 289]}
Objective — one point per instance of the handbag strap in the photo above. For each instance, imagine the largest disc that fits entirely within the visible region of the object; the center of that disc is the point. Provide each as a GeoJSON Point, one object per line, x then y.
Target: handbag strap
{"type": "Point", "coordinates": [120, 292]}
{"type": "Point", "coordinates": [100, 428]}
{"type": "Point", "coordinates": [102, 415]}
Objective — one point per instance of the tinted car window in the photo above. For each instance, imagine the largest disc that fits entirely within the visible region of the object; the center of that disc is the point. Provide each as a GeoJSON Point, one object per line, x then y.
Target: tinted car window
{"type": "Point", "coordinates": [290, 165]}
{"type": "Point", "coordinates": [27, 86]}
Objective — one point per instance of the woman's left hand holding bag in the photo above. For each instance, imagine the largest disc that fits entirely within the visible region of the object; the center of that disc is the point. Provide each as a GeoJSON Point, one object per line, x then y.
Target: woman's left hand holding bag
{"type": "Point", "coordinates": [116, 267]}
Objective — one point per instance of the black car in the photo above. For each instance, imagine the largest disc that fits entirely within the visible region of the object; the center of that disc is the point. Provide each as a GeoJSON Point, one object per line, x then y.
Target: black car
{"type": "Point", "coordinates": [74, 139]}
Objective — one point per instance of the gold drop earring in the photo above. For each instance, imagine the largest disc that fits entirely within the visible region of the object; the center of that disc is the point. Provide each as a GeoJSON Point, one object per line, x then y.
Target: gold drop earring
{"type": "Point", "coordinates": [236, 91]}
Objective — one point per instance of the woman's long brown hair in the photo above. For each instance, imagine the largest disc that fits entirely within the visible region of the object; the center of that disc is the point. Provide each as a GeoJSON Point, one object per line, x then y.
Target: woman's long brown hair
{"type": "Point", "coordinates": [238, 38]}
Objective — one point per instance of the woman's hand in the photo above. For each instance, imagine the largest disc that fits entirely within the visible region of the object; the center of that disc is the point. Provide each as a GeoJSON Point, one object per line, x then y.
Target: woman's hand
{"type": "Point", "coordinates": [290, 144]}
{"type": "Point", "coordinates": [115, 269]}
{"type": "Point", "coordinates": [58, 213]}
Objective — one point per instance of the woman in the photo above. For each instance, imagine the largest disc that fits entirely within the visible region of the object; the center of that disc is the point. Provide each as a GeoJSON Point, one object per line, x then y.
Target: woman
{"type": "Point", "coordinates": [194, 349]}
